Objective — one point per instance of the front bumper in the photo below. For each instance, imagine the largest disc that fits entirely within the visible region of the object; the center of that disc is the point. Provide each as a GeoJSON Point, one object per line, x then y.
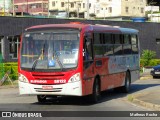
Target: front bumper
{"type": "Point", "coordinates": [155, 73]}
{"type": "Point", "coordinates": [68, 89]}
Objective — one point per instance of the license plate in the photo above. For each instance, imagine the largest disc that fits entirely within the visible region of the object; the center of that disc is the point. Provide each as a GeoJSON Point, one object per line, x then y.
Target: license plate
{"type": "Point", "coordinates": [47, 87]}
{"type": "Point", "coordinates": [157, 72]}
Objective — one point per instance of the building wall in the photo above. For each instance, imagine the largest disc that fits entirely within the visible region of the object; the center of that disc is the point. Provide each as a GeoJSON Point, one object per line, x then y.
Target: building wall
{"type": "Point", "coordinates": [102, 8]}
{"type": "Point", "coordinates": [7, 5]}
{"type": "Point", "coordinates": [11, 28]}
{"type": "Point", "coordinates": [105, 8]}
{"type": "Point", "coordinates": [135, 8]}
{"type": "Point", "coordinates": [72, 6]}
{"type": "Point", "coordinates": [34, 7]}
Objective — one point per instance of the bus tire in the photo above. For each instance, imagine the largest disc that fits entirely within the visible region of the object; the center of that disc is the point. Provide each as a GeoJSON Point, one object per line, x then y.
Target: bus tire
{"type": "Point", "coordinates": [95, 97]}
{"type": "Point", "coordinates": [126, 87]}
{"type": "Point", "coordinates": [41, 98]}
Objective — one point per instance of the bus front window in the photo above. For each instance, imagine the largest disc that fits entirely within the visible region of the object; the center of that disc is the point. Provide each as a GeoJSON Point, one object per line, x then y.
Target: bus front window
{"type": "Point", "coordinates": [50, 50]}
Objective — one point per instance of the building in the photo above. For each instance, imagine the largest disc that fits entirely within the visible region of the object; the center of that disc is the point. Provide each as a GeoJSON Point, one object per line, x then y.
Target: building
{"type": "Point", "coordinates": [98, 8]}
{"type": "Point", "coordinates": [33, 7]}
{"type": "Point", "coordinates": [152, 10]}
{"type": "Point", "coordinates": [5, 7]}
{"type": "Point", "coordinates": [72, 8]}
{"type": "Point", "coordinates": [81, 8]}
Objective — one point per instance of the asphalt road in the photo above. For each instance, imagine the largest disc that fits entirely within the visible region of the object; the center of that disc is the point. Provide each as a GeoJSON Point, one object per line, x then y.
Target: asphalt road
{"type": "Point", "coordinates": [10, 100]}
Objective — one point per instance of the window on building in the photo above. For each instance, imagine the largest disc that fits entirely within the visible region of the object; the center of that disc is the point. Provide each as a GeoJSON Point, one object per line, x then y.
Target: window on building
{"type": "Point", "coordinates": [53, 3]}
{"type": "Point", "coordinates": [98, 11]}
{"type": "Point", "coordinates": [45, 5]}
{"type": "Point", "coordinates": [89, 5]}
{"type": "Point", "coordinates": [39, 5]}
{"type": "Point", "coordinates": [72, 5]}
{"type": "Point", "coordinates": [79, 5]}
{"type": "Point", "coordinates": [62, 4]}
{"type": "Point", "coordinates": [32, 6]}
{"type": "Point", "coordinates": [16, 7]}
{"type": "Point", "coordinates": [142, 10]}
{"type": "Point", "coordinates": [14, 43]}
{"type": "Point", "coordinates": [110, 10]}
{"type": "Point", "coordinates": [127, 9]}
{"type": "Point", "coordinates": [83, 5]}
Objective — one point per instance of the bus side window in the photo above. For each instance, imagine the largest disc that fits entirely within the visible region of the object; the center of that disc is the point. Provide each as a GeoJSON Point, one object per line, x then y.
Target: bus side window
{"type": "Point", "coordinates": [87, 49]}
{"type": "Point", "coordinates": [127, 49]}
{"type": "Point", "coordinates": [134, 42]}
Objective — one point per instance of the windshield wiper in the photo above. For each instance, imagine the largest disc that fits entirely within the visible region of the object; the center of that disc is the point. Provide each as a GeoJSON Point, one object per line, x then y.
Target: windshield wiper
{"type": "Point", "coordinates": [34, 64]}
{"type": "Point", "coordinates": [59, 62]}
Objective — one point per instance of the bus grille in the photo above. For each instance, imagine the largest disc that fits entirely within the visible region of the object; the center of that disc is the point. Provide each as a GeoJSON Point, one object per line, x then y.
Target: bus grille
{"type": "Point", "coordinates": [46, 76]}
{"type": "Point", "coordinates": [52, 90]}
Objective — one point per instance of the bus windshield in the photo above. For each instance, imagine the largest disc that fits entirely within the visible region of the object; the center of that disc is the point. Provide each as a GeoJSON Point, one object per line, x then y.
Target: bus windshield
{"type": "Point", "coordinates": [50, 50]}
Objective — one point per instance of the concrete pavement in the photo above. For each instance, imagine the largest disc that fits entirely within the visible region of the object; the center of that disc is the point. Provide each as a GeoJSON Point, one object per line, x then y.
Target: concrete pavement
{"type": "Point", "coordinates": [150, 97]}
{"type": "Point", "coordinates": [147, 95]}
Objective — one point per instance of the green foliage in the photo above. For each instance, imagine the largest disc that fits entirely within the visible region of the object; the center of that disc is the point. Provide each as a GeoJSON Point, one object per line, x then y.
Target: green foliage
{"type": "Point", "coordinates": [152, 62]}
{"type": "Point", "coordinates": [147, 56]}
{"type": "Point", "coordinates": [12, 67]}
{"type": "Point", "coordinates": [92, 15]}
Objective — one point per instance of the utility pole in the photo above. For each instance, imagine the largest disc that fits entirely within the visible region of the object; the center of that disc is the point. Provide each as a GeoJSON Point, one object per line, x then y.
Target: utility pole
{"type": "Point", "coordinates": [77, 4]}
{"type": "Point", "coordinates": [27, 6]}
{"type": "Point", "coordinates": [42, 7]}
{"type": "Point", "coordinates": [87, 9]}
{"type": "Point", "coordinates": [13, 8]}
{"type": "Point", "coordinates": [48, 8]}
{"type": "Point", "coordinates": [4, 7]}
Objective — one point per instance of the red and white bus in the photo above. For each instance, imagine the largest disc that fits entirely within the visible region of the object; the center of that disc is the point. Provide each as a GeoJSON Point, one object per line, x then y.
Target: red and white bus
{"type": "Point", "coordinates": [77, 59]}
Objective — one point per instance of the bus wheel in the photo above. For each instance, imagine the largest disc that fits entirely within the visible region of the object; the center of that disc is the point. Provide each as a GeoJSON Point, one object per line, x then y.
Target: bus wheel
{"type": "Point", "coordinates": [41, 98]}
{"type": "Point", "coordinates": [95, 97]}
{"type": "Point", "coordinates": [127, 85]}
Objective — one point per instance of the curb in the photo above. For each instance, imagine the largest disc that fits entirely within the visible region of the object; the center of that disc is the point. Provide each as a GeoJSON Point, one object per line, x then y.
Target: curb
{"type": "Point", "coordinates": [136, 101]}
{"type": "Point", "coordinates": [8, 86]}
{"type": "Point", "coordinates": [146, 77]}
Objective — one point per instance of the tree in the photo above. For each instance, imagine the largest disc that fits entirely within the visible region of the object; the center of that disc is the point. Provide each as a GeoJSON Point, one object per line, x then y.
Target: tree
{"type": "Point", "coordinates": [92, 16]}
{"type": "Point", "coordinates": [147, 56]}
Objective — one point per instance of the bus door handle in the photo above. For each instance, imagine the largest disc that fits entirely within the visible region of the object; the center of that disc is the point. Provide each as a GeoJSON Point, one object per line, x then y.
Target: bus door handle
{"type": "Point", "coordinates": [98, 63]}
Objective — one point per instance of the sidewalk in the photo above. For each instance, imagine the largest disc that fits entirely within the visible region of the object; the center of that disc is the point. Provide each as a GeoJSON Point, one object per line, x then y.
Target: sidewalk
{"type": "Point", "coordinates": [150, 97]}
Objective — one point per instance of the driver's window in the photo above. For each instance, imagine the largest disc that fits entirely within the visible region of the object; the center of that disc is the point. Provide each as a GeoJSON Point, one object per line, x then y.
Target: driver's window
{"type": "Point", "coordinates": [87, 49]}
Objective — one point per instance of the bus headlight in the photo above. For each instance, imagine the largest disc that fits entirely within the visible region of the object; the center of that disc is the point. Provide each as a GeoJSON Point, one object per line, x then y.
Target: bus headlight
{"type": "Point", "coordinates": [22, 78]}
{"type": "Point", "coordinates": [75, 78]}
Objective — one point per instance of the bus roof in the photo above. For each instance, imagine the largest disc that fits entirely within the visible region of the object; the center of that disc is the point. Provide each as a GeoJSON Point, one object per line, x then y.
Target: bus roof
{"type": "Point", "coordinates": [86, 27]}
{"type": "Point", "coordinates": [128, 30]}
